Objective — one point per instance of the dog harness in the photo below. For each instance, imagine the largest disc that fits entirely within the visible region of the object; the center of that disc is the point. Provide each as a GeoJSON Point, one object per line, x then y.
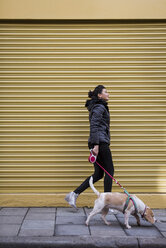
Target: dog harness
{"type": "Point", "coordinates": [127, 202]}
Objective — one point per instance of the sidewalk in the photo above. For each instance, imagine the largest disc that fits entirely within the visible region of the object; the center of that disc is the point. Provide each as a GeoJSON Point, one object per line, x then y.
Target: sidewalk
{"type": "Point", "coordinates": [65, 227]}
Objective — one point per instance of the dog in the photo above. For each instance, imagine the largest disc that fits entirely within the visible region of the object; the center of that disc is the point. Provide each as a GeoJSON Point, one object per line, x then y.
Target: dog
{"type": "Point", "coordinates": [117, 201]}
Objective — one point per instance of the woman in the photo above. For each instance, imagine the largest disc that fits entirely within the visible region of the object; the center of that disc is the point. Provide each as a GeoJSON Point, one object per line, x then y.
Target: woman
{"type": "Point", "coordinates": [99, 140]}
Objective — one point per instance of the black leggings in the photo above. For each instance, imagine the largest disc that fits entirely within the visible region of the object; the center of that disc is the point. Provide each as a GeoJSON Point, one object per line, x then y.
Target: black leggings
{"type": "Point", "coordinates": [104, 158]}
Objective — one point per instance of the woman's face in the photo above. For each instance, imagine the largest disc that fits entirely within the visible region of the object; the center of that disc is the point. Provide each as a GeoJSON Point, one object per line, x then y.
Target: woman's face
{"type": "Point", "coordinates": [104, 95]}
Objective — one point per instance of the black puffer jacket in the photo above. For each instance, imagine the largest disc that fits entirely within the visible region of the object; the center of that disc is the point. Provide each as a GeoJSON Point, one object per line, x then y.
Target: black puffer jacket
{"type": "Point", "coordinates": [99, 118]}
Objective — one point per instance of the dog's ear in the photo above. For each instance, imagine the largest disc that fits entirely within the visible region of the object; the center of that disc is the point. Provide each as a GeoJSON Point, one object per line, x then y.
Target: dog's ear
{"type": "Point", "coordinates": [149, 216]}
{"type": "Point", "coordinates": [146, 210]}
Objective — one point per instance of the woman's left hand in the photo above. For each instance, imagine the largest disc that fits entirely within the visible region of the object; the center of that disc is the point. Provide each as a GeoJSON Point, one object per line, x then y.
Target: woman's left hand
{"type": "Point", "coordinates": [96, 150]}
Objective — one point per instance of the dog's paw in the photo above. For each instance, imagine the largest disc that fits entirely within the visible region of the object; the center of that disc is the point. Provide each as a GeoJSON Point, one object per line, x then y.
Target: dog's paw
{"type": "Point", "coordinates": [86, 223]}
{"type": "Point", "coordinates": [128, 227]}
{"type": "Point", "coordinates": [107, 223]}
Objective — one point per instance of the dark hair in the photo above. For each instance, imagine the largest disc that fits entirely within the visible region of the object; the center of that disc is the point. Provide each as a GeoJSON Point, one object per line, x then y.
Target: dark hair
{"type": "Point", "coordinates": [94, 94]}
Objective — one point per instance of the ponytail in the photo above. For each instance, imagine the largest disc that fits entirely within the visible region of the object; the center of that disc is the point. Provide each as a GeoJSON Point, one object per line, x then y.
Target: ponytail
{"type": "Point", "coordinates": [94, 94]}
{"type": "Point", "coordinates": [90, 94]}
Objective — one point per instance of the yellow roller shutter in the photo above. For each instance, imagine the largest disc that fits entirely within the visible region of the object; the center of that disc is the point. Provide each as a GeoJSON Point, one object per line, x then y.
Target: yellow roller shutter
{"type": "Point", "coordinates": [46, 71]}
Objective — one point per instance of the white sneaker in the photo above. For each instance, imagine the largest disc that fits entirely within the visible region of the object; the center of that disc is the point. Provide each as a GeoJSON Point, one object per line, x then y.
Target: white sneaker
{"type": "Point", "coordinates": [71, 199]}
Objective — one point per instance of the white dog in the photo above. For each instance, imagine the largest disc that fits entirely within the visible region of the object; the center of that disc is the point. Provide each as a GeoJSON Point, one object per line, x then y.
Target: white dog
{"type": "Point", "coordinates": [117, 201]}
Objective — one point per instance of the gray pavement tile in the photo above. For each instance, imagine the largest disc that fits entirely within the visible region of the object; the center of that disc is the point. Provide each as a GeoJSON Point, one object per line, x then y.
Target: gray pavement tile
{"type": "Point", "coordinates": [113, 230]}
{"type": "Point", "coordinates": [164, 234]}
{"type": "Point", "coordinates": [146, 229]}
{"type": "Point", "coordinates": [42, 210]}
{"type": "Point", "coordinates": [159, 212]}
{"type": "Point", "coordinates": [41, 224]}
{"type": "Point", "coordinates": [6, 219]}
{"type": "Point", "coordinates": [133, 222]}
{"type": "Point", "coordinates": [71, 230]}
{"type": "Point", "coordinates": [13, 211]}
{"type": "Point", "coordinates": [97, 220]}
{"type": "Point", "coordinates": [70, 212]}
{"type": "Point", "coordinates": [9, 230]}
{"type": "Point", "coordinates": [161, 218]}
{"type": "Point", "coordinates": [137, 231]}
{"type": "Point", "coordinates": [121, 215]}
{"type": "Point", "coordinates": [40, 216]}
{"type": "Point", "coordinates": [36, 232]}
{"type": "Point", "coordinates": [110, 216]}
{"type": "Point", "coordinates": [115, 211]}
{"type": "Point", "coordinates": [88, 210]}
{"type": "Point", "coordinates": [68, 220]}
{"type": "Point", "coordinates": [152, 242]}
{"type": "Point", "coordinates": [161, 226]}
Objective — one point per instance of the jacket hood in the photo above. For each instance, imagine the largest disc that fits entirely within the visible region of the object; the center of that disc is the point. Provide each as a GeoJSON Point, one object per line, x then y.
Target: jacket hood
{"type": "Point", "coordinates": [90, 103]}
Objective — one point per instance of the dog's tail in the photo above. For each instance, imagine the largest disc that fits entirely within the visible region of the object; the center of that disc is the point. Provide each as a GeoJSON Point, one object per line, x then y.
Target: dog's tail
{"type": "Point", "coordinates": [92, 187]}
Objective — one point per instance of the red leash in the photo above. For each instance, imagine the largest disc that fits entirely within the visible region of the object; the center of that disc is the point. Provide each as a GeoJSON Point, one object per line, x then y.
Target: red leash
{"type": "Point", "coordinates": [92, 159]}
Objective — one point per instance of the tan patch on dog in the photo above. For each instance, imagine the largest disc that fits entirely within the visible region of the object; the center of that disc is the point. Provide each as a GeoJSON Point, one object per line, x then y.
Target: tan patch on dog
{"type": "Point", "coordinates": [149, 215]}
{"type": "Point", "coordinates": [115, 199]}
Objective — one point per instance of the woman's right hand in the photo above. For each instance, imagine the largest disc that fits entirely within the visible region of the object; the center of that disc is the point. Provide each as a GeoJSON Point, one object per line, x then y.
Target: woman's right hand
{"type": "Point", "coordinates": [96, 150]}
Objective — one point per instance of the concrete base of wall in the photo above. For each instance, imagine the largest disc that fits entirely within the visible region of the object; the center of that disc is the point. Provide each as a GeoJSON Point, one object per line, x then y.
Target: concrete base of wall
{"type": "Point", "coordinates": [57, 200]}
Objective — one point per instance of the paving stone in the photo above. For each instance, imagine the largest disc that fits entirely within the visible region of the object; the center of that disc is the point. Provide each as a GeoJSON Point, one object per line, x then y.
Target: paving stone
{"type": "Point", "coordinates": [133, 222]}
{"type": "Point", "coordinates": [36, 232]}
{"type": "Point", "coordinates": [9, 230]}
{"type": "Point", "coordinates": [71, 230]}
{"type": "Point", "coordinates": [159, 212]}
{"type": "Point", "coordinates": [70, 212]}
{"type": "Point", "coordinates": [121, 215]}
{"type": "Point", "coordinates": [37, 227]}
{"type": "Point", "coordinates": [152, 242]}
{"type": "Point", "coordinates": [146, 229]}
{"type": "Point", "coordinates": [42, 210]}
{"type": "Point", "coordinates": [164, 234]}
{"type": "Point", "coordinates": [41, 224]}
{"type": "Point", "coordinates": [114, 211]}
{"type": "Point", "coordinates": [143, 232]}
{"type": "Point", "coordinates": [13, 211]}
{"type": "Point", "coordinates": [40, 216]}
{"type": "Point", "coordinates": [161, 226]}
{"type": "Point", "coordinates": [97, 220]}
{"type": "Point", "coordinates": [6, 219]}
{"type": "Point", "coordinates": [68, 220]}
{"type": "Point", "coordinates": [161, 218]}
{"type": "Point", "coordinates": [88, 210]}
{"type": "Point", "coordinates": [113, 230]}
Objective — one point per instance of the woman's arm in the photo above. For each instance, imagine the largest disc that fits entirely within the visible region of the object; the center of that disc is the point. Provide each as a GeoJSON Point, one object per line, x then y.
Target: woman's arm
{"type": "Point", "coordinates": [95, 124]}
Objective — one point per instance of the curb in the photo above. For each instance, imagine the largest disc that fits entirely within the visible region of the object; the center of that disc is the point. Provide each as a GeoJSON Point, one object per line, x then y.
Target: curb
{"type": "Point", "coordinates": [81, 242]}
